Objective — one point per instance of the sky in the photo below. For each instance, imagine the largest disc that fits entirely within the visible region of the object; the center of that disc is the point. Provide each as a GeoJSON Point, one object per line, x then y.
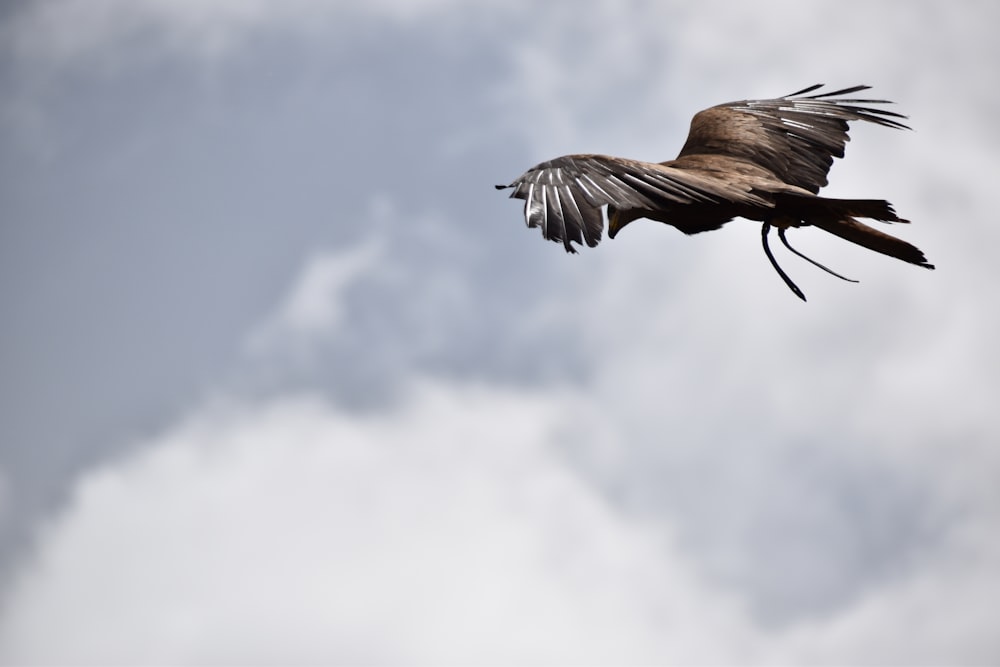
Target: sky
{"type": "Point", "coordinates": [286, 381]}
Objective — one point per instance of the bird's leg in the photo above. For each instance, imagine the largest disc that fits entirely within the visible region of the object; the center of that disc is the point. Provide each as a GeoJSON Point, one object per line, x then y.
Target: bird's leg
{"type": "Point", "coordinates": [781, 235]}
{"type": "Point", "coordinates": [767, 251]}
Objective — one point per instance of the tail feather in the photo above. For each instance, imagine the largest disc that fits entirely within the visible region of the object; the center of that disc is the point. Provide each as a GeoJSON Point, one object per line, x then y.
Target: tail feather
{"type": "Point", "coordinates": [868, 237]}
{"type": "Point", "coordinates": [806, 207]}
{"type": "Point", "coordinates": [875, 209]}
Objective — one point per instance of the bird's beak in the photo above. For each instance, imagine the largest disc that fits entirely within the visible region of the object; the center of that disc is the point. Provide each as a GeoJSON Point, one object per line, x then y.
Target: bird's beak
{"type": "Point", "coordinates": [615, 222]}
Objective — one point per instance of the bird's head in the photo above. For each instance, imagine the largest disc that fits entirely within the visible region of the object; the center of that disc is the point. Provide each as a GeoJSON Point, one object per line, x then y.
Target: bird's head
{"type": "Point", "coordinates": [616, 220]}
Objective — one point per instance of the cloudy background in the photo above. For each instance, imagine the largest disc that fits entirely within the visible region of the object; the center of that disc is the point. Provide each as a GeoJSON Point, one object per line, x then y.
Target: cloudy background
{"type": "Point", "coordinates": [284, 380]}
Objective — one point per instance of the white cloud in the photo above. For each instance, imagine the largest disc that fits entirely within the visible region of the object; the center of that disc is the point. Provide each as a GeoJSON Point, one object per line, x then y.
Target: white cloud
{"type": "Point", "coordinates": [942, 615]}
{"type": "Point", "coordinates": [447, 530]}
{"type": "Point", "coordinates": [314, 307]}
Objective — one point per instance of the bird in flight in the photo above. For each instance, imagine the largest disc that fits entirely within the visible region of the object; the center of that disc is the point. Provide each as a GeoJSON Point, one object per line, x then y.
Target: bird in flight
{"type": "Point", "coordinates": [762, 160]}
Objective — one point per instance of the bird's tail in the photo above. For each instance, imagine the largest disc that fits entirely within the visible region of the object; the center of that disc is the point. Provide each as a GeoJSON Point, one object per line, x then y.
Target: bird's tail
{"type": "Point", "coordinates": [875, 209]}
{"type": "Point", "coordinates": [846, 227]}
{"type": "Point", "coordinates": [806, 207]}
{"type": "Point", "coordinates": [837, 216]}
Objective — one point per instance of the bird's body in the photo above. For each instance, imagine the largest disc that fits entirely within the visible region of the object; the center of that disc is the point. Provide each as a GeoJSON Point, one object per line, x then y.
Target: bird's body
{"type": "Point", "coordinates": [763, 160]}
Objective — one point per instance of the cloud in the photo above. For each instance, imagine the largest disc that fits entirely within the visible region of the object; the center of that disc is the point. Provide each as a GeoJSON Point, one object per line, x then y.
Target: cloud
{"type": "Point", "coordinates": [62, 31]}
{"type": "Point", "coordinates": [450, 528]}
{"type": "Point", "coordinates": [946, 610]}
{"type": "Point", "coordinates": [447, 530]}
{"type": "Point", "coordinates": [4, 498]}
{"type": "Point", "coordinates": [314, 308]}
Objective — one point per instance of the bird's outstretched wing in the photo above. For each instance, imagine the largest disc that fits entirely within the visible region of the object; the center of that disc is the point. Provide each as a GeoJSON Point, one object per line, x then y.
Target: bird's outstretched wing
{"type": "Point", "coordinates": [795, 137]}
{"type": "Point", "coordinates": [564, 196]}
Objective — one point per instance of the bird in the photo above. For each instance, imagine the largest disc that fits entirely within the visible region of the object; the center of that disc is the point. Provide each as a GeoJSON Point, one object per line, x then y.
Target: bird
{"type": "Point", "coordinates": [763, 160]}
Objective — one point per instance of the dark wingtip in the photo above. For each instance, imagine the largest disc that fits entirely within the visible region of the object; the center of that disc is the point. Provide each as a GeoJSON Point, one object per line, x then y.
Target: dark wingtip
{"type": "Point", "coordinates": [846, 91]}
{"type": "Point", "coordinates": [806, 90]}
{"type": "Point", "coordinates": [502, 187]}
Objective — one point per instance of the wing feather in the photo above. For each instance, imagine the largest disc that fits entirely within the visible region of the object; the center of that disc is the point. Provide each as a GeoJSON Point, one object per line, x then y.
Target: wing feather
{"type": "Point", "coordinates": [795, 137]}
{"type": "Point", "coordinates": [565, 196]}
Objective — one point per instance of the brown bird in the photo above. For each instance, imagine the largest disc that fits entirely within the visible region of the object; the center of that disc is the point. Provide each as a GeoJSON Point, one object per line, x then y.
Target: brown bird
{"type": "Point", "coordinates": [763, 160]}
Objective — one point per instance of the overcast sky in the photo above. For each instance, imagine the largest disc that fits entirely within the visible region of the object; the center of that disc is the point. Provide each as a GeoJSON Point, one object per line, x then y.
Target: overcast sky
{"type": "Point", "coordinates": [285, 380]}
